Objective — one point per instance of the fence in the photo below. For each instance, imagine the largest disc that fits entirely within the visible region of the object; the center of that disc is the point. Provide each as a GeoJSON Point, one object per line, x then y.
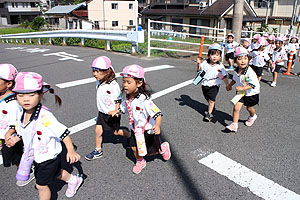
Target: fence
{"type": "Point", "coordinates": [250, 34]}
{"type": "Point", "coordinates": [108, 35]}
{"type": "Point", "coordinates": [158, 31]}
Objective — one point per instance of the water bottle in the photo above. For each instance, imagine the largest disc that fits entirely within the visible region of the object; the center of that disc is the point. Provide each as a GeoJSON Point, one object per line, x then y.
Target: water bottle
{"type": "Point", "coordinates": [23, 172]}
{"type": "Point", "coordinates": [140, 141]}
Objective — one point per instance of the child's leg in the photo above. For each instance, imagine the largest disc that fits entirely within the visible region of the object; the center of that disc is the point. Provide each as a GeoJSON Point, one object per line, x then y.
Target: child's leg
{"type": "Point", "coordinates": [140, 161]}
{"type": "Point", "coordinates": [74, 182]}
{"type": "Point", "coordinates": [252, 117]}
{"type": "Point", "coordinates": [122, 132]}
{"type": "Point", "coordinates": [211, 106]}
{"type": "Point", "coordinates": [98, 136]}
{"type": "Point", "coordinates": [44, 192]}
{"type": "Point", "coordinates": [251, 110]}
{"type": "Point", "coordinates": [259, 78]}
{"type": "Point", "coordinates": [236, 112]}
{"type": "Point", "coordinates": [230, 61]}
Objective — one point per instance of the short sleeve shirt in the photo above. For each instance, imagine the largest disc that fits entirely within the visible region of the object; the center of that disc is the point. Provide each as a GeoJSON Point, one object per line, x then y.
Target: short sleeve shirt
{"type": "Point", "coordinates": [254, 46]}
{"type": "Point", "coordinates": [292, 47]}
{"type": "Point", "coordinates": [230, 47]}
{"type": "Point", "coordinates": [211, 77]}
{"type": "Point", "coordinates": [107, 96]}
{"type": "Point", "coordinates": [142, 107]}
{"type": "Point", "coordinates": [247, 77]}
{"type": "Point", "coordinates": [259, 58]}
{"type": "Point", "coordinates": [279, 54]}
{"type": "Point", "coordinates": [8, 113]}
{"type": "Point", "coordinates": [47, 130]}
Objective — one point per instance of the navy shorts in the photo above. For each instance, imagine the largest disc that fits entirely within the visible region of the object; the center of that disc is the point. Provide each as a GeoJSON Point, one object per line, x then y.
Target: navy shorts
{"type": "Point", "coordinates": [210, 93]}
{"type": "Point", "coordinates": [229, 56]}
{"type": "Point", "coordinates": [152, 142]}
{"type": "Point", "coordinates": [257, 70]}
{"type": "Point", "coordinates": [278, 68]}
{"type": "Point", "coordinates": [12, 155]}
{"type": "Point", "coordinates": [250, 100]}
{"type": "Point", "coordinates": [108, 122]}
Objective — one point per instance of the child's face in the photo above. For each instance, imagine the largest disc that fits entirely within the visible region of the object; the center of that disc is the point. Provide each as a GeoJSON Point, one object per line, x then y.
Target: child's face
{"type": "Point", "coordinates": [271, 41]}
{"type": "Point", "coordinates": [278, 44]}
{"type": "Point", "coordinates": [294, 40]}
{"type": "Point", "coordinates": [29, 101]}
{"type": "Point", "coordinates": [230, 39]}
{"type": "Point", "coordinates": [130, 85]}
{"type": "Point", "coordinates": [245, 44]}
{"type": "Point", "coordinates": [242, 61]}
{"type": "Point", "coordinates": [99, 74]}
{"type": "Point", "coordinates": [4, 85]}
{"type": "Point", "coordinates": [215, 57]}
{"type": "Point", "coordinates": [255, 40]}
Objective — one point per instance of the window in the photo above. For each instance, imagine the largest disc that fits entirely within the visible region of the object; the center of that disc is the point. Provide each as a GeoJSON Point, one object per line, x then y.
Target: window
{"type": "Point", "coordinates": [1, 5]}
{"type": "Point", "coordinates": [114, 23]}
{"type": "Point", "coordinates": [33, 4]}
{"type": "Point", "coordinates": [114, 6]}
{"type": "Point", "coordinates": [130, 22]}
{"type": "Point", "coordinates": [14, 5]}
{"type": "Point", "coordinates": [96, 25]}
{"type": "Point", "coordinates": [130, 6]}
{"type": "Point", "coordinates": [263, 3]}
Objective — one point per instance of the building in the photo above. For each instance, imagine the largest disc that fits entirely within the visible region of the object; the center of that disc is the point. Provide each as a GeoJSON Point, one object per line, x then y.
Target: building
{"type": "Point", "coordinates": [12, 11]}
{"type": "Point", "coordinates": [69, 17]}
{"type": "Point", "coordinates": [112, 14]}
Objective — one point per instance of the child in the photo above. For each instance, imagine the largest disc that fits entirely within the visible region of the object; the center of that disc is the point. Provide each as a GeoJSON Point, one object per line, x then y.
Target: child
{"type": "Point", "coordinates": [246, 43]}
{"type": "Point", "coordinates": [255, 44]}
{"type": "Point", "coordinates": [266, 36]}
{"type": "Point", "coordinates": [108, 92]}
{"type": "Point", "coordinates": [271, 46]}
{"type": "Point", "coordinates": [230, 46]}
{"type": "Point", "coordinates": [144, 116]}
{"type": "Point", "coordinates": [278, 57]}
{"type": "Point", "coordinates": [293, 46]}
{"type": "Point", "coordinates": [259, 58]}
{"type": "Point", "coordinates": [247, 84]}
{"type": "Point", "coordinates": [9, 108]}
{"type": "Point", "coordinates": [41, 132]}
{"type": "Point", "coordinates": [214, 74]}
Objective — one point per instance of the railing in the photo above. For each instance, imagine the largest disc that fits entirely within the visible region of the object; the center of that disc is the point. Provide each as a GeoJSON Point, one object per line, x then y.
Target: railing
{"type": "Point", "coordinates": [218, 35]}
{"type": "Point", "coordinates": [250, 34]}
{"type": "Point", "coordinates": [108, 35]}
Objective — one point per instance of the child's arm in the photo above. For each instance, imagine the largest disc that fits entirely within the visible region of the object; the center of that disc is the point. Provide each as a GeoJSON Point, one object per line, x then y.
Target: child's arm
{"type": "Point", "coordinates": [225, 81]}
{"type": "Point", "coordinates": [72, 156]}
{"type": "Point", "coordinates": [116, 111]}
{"type": "Point", "coordinates": [156, 127]}
{"type": "Point", "coordinates": [243, 88]}
{"type": "Point", "coordinates": [10, 140]}
{"type": "Point", "coordinates": [198, 61]}
{"type": "Point", "coordinates": [229, 86]}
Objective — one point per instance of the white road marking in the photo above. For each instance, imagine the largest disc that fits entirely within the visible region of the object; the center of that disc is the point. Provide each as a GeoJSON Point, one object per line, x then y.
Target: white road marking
{"type": "Point", "coordinates": [241, 175]}
{"type": "Point", "coordinates": [64, 56]}
{"type": "Point", "coordinates": [1, 160]}
{"type": "Point", "coordinates": [82, 126]}
{"type": "Point", "coordinates": [91, 80]}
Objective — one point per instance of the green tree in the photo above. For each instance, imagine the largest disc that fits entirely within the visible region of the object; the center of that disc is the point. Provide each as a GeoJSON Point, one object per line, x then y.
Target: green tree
{"type": "Point", "coordinates": [37, 23]}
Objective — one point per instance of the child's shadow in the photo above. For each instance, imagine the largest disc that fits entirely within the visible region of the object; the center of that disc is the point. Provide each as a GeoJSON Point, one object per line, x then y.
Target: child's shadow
{"type": "Point", "coordinates": [220, 116]}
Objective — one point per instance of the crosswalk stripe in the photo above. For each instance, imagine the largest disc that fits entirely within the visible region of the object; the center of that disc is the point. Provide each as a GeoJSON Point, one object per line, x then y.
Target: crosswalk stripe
{"type": "Point", "coordinates": [91, 80]}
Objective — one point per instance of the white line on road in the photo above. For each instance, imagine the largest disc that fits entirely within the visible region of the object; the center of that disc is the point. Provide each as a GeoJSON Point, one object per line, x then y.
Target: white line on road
{"type": "Point", "coordinates": [241, 175]}
{"type": "Point", "coordinates": [91, 80]}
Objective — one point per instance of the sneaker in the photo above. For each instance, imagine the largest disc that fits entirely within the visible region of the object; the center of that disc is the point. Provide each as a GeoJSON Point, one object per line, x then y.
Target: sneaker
{"type": "Point", "coordinates": [273, 84]}
{"type": "Point", "coordinates": [232, 127]}
{"type": "Point", "coordinates": [73, 187]}
{"type": "Point", "coordinates": [231, 68]}
{"type": "Point", "coordinates": [23, 183]}
{"type": "Point", "coordinates": [251, 120]}
{"type": "Point", "coordinates": [94, 155]}
{"type": "Point", "coordinates": [208, 117]}
{"type": "Point", "coordinates": [139, 166]}
{"type": "Point", "coordinates": [166, 152]}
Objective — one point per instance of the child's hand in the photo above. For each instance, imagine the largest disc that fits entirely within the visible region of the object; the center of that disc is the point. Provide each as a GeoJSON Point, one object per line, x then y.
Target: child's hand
{"type": "Point", "coordinates": [239, 88]}
{"type": "Point", "coordinates": [72, 157]}
{"type": "Point", "coordinates": [113, 113]}
{"type": "Point", "coordinates": [11, 141]}
{"type": "Point", "coordinates": [228, 87]}
{"type": "Point", "coordinates": [156, 129]}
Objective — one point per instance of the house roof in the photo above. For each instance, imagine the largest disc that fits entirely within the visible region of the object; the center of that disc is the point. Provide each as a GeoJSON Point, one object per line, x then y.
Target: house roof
{"type": "Point", "coordinates": [19, 1]}
{"type": "Point", "coordinates": [58, 10]}
{"type": "Point", "coordinates": [187, 11]}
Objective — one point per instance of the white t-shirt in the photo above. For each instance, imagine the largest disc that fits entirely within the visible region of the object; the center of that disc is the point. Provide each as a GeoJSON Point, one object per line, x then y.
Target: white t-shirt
{"type": "Point", "coordinates": [107, 96]}
{"type": "Point", "coordinates": [270, 48]}
{"type": "Point", "coordinates": [48, 134]}
{"type": "Point", "coordinates": [247, 77]}
{"type": "Point", "coordinates": [230, 47]}
{"type": "Point", "coordinates": [259, 58]}
{"type": "Point", "coordinates": [292, 47]}
{"type": "Point", "coordinates": [8, 113]}
{"type": "Point", "coordinates": [280, 54]}
{"type": "Point", "coordinates": [254, 45]}
{"type": "Point", "coordinates": [211, 73]}
{"type": "Point", "coordinates": [142, 108]}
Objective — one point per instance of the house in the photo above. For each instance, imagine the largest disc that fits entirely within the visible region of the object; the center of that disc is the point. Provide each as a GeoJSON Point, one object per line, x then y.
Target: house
{"type": "Point", "coordinates": [12, 11]}
{"type": "Point", "coordinates": [112, 14]}
{"type": "Point", "coordinates": [277, 12]}
{"type": "Point", "coordinates": [69, 17]}
{"type": "Point", "coordinates": [212, 13]}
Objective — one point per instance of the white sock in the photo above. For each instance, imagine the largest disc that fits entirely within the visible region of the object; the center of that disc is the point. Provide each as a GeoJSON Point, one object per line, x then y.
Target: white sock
{"type": "Point", "coordinates": [72, 179]}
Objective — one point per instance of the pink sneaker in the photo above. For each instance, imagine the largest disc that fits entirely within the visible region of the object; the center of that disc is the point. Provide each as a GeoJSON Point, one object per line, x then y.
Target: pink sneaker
{"type": "Point", "coordinates": [73, 187]}
{"type": "Point", "coordinates": [139, 166]}
{"type": "Point", "coordinates": [251, 120]}
{"type": "Point", "coordinates": [232, 127]}
{"type": "Point", "coordinates": [166, 152]}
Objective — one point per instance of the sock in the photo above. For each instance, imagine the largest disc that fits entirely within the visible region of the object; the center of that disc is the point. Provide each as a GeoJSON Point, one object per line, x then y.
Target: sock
{"type": "Point", "coordinates": [140, 159]}
{"type": "Point", "coordinates": [72, 179]}
{"type": "Point", "coordinates": [99, 149]}
{"type": "Point", "coordinates": [163, 149]}
{"type": "Point", "coordinates": [253, 116]}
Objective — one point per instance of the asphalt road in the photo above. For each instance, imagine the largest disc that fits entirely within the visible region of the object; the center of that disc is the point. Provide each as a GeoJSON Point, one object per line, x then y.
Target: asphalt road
{"type": "Point", "coordinates": [271, 147]}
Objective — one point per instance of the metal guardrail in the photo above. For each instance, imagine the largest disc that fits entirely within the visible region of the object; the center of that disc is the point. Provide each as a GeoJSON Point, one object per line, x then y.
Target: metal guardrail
{"type": "Point", "coordinates": [108, 35]}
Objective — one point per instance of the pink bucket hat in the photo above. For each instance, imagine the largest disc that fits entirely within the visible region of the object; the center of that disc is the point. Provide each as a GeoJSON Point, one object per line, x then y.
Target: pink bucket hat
{"type": "Point", "coordinates": [102, 63]}
{"type": "Point", "coordinates": [240, 51]}
{"type": "Point", "coordinates": [262, 42]}
{"type": "Point", "coordinates": [134, 71]}
{"type": "Point", "coordinates": [247, 40]}
{"type": "Point", "coordinates": [279, 38]}
{"type": "Point", "coordinates": [215, 46]}
{"type": "Point", "coordinates": [294, 36]}
{"type": "Point", "coordinates": [8, 72]}
{"type": "Point", "coordinates": [256, 36]}
{"type": "Point", "coordinates": [271, 37]}
{"type": "Point", "coordinates": [266, 35]}
{"type": "Point", "coordinates": [27, 82]}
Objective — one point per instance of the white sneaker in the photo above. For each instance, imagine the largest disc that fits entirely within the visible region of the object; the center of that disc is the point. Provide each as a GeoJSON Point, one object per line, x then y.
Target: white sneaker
{"type": "Point", "coordinates": [23, 183]}
{"type": "Point", "coordinates": [273, 84]}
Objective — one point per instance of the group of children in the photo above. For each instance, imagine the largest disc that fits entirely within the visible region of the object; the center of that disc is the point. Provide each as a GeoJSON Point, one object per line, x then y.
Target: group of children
{"type": "Point", "coordinates": [34, 140]}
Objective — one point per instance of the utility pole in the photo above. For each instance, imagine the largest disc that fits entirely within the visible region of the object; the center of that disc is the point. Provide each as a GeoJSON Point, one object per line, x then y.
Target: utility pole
{"type": "Point", "coordinates": [293, 17]}
{"type": "Point", "coordinates": [237, 21]}
{"type": "Point", "coordinates": [267, 12]}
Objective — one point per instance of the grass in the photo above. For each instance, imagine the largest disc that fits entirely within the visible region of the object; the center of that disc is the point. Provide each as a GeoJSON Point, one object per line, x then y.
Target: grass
{"type": "Point", "coordinates": [4, 31]}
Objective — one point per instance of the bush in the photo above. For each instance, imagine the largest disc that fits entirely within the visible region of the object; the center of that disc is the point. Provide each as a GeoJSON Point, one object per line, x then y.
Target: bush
{"type": "Point", "coordinates": [37, 23]}
{"type": "Point", "coordinates": [25, 23]}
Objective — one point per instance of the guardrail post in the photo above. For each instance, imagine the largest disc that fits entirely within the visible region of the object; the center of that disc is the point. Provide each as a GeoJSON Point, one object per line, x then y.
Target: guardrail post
{"type": "Point", "coordinates": [107, 46]}
{"type": "Point", "coordinates": [64, 41]}
{"type": "Point", "coordinates": [2, 40]}
{"type": "Point", "coordinates": [50, 40]}
{"type": "Point", "coordinates": [6, 40]}
{"type": "Point", "coordinates": [11, 40]}
{"type": "Point", "coordinates": [251, 34]}
{"type": "Point", "coordinates": [39, 41]}
{"type": "Point", "coordinates": [23, 40]}
{"type": "Point", "coordinates": [134, 48]}
{"type": "Point", "coordinates": [82, 41]}
{"type": "Point", "coordinates": [30, 40]}
{"type": "Point", "coordinates": [17, 41]}
{"type": "Point", "coordinates": [149, 32]}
